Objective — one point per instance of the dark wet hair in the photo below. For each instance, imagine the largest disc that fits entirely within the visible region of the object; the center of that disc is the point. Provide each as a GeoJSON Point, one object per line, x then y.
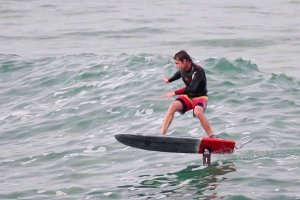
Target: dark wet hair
{"type": "Point", "coordinates": [182, 55]}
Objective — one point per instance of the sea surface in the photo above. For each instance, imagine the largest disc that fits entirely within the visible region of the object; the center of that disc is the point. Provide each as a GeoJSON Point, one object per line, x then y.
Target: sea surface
{"type": "Point", "coordinates": [75, 73]}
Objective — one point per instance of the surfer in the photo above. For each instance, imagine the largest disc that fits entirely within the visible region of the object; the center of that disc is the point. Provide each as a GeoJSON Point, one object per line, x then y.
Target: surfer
{"type": "Point", "coordinates": [193, 96]}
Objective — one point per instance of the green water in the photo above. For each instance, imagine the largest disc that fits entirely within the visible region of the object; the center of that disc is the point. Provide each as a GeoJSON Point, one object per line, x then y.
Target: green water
{"type": "Point", "coordinates": [59, 116]}
{"type": "Point", "coordinates": [73, 74]}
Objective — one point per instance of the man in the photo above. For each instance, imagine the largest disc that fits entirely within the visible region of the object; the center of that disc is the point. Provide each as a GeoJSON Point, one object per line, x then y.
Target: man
{"type": "Point", "coordinates": [193, 96]}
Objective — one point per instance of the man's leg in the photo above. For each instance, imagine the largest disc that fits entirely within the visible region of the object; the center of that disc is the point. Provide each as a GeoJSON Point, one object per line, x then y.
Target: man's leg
{"type": "Point", "coordinates": [174, 107]}
{"type": "Point", "coordinates": [199, 113]}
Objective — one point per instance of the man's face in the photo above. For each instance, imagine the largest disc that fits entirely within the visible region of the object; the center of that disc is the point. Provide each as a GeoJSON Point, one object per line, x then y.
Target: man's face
{"type": "Point", "coordinates": [180, 64]}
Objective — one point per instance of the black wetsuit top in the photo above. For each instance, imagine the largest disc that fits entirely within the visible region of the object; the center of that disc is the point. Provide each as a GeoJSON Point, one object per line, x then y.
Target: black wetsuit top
{"type": "Point", "coordinates": [195, 81]}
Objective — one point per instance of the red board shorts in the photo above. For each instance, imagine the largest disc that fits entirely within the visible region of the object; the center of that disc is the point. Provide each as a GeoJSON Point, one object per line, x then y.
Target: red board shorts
{"type": "Point", "coordinates": [191, 103]}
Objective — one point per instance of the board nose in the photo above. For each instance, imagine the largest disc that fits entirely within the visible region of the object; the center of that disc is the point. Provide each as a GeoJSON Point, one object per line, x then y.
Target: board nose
{"type": "Point", "coordinates": [123, 138]}
{"type": "Point", "coordinates": [119, 137]}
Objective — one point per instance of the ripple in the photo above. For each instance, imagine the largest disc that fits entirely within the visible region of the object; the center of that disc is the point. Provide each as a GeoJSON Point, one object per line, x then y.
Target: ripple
{"type": "Point", "coordinates": [60, 115]}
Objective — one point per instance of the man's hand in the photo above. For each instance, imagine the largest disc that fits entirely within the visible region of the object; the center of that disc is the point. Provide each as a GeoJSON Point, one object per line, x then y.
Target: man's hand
{"type": "Point", "coordinates": [165, 80]}
{"type": "Point", "coordinates": [168, 95]}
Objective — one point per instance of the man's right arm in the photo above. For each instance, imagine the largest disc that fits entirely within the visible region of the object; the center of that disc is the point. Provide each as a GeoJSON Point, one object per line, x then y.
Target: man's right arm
{"type": "Point", "coordinates": [175, 77]}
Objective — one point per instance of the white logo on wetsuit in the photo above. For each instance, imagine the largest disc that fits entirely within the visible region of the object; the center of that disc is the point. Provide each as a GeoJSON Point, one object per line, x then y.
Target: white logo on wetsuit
{"type": "Point", "coordinates": [193, 75]}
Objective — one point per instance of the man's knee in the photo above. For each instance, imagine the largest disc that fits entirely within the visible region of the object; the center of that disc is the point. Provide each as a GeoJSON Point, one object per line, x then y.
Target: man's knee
{"type": "Point", "coordinates": [175, 106]}
{"type": "Point", "coordinates": [198, 112]}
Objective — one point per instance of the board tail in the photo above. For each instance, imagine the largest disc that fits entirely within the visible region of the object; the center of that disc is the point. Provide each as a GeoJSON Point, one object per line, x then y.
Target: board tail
{"type": "Point", "coordinates": [217, 145]}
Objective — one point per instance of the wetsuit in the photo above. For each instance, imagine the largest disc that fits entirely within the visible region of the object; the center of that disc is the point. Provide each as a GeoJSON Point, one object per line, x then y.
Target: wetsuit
{"type": "Point", "coordinates": [195, 92]}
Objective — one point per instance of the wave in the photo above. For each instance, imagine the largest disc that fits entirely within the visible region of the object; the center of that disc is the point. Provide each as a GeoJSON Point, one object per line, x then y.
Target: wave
{"type": "Point", "coordinates": [66, 109]}
{"type": "Point", "coordinates": [121, 86]}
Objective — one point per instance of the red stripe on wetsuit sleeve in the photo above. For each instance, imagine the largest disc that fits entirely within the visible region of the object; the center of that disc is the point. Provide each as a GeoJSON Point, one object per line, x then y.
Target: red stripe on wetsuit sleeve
{"type": "Point", "coordinates": [180, 91]}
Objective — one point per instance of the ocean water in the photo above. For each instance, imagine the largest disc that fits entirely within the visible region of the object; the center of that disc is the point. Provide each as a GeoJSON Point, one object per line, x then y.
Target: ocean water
{"type": "Point", "coordinates": [74, 74]}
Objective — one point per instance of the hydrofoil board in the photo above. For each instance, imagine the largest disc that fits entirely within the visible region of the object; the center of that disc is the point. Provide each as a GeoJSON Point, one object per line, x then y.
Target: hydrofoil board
{"type": "Point", "coordinates": [178, 144]}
